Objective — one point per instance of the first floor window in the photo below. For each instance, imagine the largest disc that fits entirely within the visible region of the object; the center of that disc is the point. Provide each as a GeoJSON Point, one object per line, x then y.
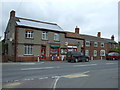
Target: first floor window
{"type": "Point", "coordinates": [87, 52]}
{"type": "Point", "coordinates": [28, 49]}
{"type": "Point", "coordinates": [102, 44]}
{"type": "Point", "coordinates": [45, 35]}
{"type": "Point", "coordinates": [56, 37]}
{"type": "Point", "coordinates": [29, 34]}
{"type": "Point", "coordinates": [102, 53]}
{"type": "Point", "coordinates": [87, 43]}
{"type": "Point", "coordinates": [95, 53]}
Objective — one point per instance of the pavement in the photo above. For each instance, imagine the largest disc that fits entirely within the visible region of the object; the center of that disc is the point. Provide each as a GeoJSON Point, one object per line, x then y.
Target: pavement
{"type": "Point", "coordinates": [60, 74]}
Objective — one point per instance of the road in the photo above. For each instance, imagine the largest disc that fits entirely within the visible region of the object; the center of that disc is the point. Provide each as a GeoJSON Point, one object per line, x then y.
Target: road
{"type": "Point", "coordinates": [60, 74]}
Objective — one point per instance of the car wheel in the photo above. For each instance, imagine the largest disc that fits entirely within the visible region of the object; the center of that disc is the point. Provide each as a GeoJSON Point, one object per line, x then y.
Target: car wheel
{"type": "Point", "coordinates": [76, 60]}
{"type": "Point", "coordinates": [87, 60]}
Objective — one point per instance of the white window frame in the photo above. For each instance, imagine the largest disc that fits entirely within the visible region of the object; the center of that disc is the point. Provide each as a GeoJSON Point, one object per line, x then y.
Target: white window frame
{"type": "Point", "coordinates": [29, 34]}
{"type": "Point", "coordinates": [95, 44]}
{"type": "Point", "coordinates": [28, 50]}
{"type": "Point", "coordinates": [102, 45]}
{"type": "Point", "coordinates": [95, 53]}
{"type": "Point", "coordinates": [87, 43]}
{"type": "Point", "coordinates": [45, 35]}
{"type": "Point", "coordinates": [87, 52]}
{"type": "Point", "coordinates": [102, 52]}
{"type": "Point", "coordinates": [56, 37]}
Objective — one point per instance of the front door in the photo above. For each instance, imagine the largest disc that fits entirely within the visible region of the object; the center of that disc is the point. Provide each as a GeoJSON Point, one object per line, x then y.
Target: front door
{"type": "Point", "coordinates": [43, 52]}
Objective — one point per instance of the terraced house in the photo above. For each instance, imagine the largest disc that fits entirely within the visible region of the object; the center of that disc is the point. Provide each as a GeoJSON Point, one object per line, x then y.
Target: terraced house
{"type": "Point", "coordinates": [26, 40]}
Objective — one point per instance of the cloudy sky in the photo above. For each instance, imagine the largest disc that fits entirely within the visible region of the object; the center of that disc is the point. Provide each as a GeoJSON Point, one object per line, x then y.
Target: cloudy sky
{"type": "Point", "coordinates": [91, 16]}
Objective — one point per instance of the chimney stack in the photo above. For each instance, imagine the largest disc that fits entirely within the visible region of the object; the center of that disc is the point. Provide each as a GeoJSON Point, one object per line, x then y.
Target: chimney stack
{"type": "Point", "coordinates": [112, 37]}
{"type": "Point", "coordinates": [77, 30]}
{"type": "Point", "coordinates": [12, 13]}
{"type": "Point", "coordinates": [99, 34]}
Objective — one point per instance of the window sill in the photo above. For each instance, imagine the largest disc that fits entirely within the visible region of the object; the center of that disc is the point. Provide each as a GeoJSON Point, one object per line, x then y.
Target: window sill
{"type": "Point", "coordinates": [29, 38]}
{"type": "Point", "coordinates": [44, 39]}
{"type": "Point", "coordinates": [28, 55]}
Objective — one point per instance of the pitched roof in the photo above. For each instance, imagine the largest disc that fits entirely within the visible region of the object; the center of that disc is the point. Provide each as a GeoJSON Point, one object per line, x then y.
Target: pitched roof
{"type": "Point", "coordinates": [96, 39]}
{"type": "Point", "coordinates": [38, 24]}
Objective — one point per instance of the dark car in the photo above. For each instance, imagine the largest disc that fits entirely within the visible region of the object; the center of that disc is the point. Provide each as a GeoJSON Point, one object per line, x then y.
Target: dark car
{"type": "Point", "coordinates": [76, 57]}
{"type": "Point", "coordinates": [112, 56]}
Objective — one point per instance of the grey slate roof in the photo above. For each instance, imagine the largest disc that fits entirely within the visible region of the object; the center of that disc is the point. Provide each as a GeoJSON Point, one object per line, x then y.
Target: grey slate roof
{"type": "Point", "coordinates": [38, 24]}
{"type": "Point", "coordinates": [96, 39]}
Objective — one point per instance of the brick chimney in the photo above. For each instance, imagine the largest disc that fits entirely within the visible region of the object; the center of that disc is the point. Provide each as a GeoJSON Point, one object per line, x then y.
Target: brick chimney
{"type": "Point", "coordinates": [112, 37]}
{"type": "Point", "coordinates": [12, 13]}
{"type": "Point", "coordinates": [99, 34]}
{"type": "Point", "coordinates": [77, 30]}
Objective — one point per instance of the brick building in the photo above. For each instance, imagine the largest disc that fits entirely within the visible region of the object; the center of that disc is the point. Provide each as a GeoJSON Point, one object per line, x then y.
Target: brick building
{"type": "Point", "coordinates": [26, 39]}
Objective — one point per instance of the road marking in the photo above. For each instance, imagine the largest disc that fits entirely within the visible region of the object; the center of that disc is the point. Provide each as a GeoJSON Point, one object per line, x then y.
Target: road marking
{"type": "Point", "coordinates": [10, 85]}
{"type": "Point", "coordinates": [56, 80]}
{"type": "Point", "coordinates": [85, 65]}
{"type": "Point", "coordinates": [111, 63]}
{"type": "Point", "coordinates": [43, 78]}
{"type": "Point", "coordinates": [37, 68]}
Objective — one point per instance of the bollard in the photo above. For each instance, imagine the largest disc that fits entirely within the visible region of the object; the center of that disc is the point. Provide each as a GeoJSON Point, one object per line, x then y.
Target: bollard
{"type": "Point", "coordinates": [38, 59]}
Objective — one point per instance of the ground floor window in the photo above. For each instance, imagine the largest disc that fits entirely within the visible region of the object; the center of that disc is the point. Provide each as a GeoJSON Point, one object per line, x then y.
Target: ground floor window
{"type": "Point", "coordinates": [54, 51]}
{"type": "Point", "coordinates": [102, 53]}
{"type": "Point", "coordinates": [63, 51]}
{"type": "Point", "coordinates": [28, 49]}
{"type": "Point", "coordinates": [87, 52]}
{"type": "Point", "coordinates": [95, 53]}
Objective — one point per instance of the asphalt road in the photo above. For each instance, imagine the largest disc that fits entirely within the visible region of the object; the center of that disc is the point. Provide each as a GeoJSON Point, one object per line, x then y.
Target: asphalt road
{"type": "Point", "coordinates": [60, 74]}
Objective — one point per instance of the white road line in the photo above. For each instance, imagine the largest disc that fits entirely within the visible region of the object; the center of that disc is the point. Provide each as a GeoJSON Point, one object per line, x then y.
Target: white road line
{"type": "Point", "coordinates": [54, 86]}
{"type": "Point", "coordinates": [111, 63]}
{"type": "Point", "coordinates": [43, 78]}
{"type": "Point", "coordinates": [85, 65]}
{"type": "Point", "coordinates": [37, 68]}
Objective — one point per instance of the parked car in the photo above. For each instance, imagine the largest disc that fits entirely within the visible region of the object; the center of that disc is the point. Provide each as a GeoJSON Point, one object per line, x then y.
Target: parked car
{"type": "Point", "coordinates": [76, 57]}
{"type": "Point", "coordinates": [112, 56]}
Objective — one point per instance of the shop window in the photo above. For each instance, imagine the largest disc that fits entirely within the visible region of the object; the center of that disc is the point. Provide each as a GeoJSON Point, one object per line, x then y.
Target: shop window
{"type": "Point", "coordinates": [102, 53]}
{"type": "Point", "coordinates": [29, 34]}
{"type": "Point", "coordinates": [63, 51]}
{"type": "Point", "coordinates": [95, 53]}
{"type": "Point", "coordinates": [72, 49]}
{"type": "Point", "coordinates": [56, 37]}
{"type": "Point", "coordinates": [45, 35]}
{"type": "Point", "coordinates": [28, 50]}
{"type": "Point", "coordinates": [87, 43]}
{"type": "Point", "coordinates": [54, 51]}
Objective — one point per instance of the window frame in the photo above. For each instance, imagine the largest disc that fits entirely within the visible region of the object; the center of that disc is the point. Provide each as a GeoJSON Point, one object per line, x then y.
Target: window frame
{"type": "Point", "coordinates": [87, 52]}
{"type": "Point", "coordinates": [56, 37]}
{"type": "Point", "coordinates": [28, 49]}
{"type": "Point", "coordinates": [95, 53]}
{"type": "Point", "coordinates": [95, 44]}
{"type": "Point", "coordinates": [103, 45]}
{"type": "Point", "coordinates": [44, 35]}
{"type": "Point", "coordinates": [87, 44]}
{"type": "Point", "coordinates": [101, 51]}
{"type": "Point", "coordinates": [29, 34]}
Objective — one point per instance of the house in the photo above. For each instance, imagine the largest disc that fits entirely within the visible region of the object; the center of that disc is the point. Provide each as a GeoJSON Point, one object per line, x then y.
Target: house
{"type": "Point", "coordinates": [28, 39]}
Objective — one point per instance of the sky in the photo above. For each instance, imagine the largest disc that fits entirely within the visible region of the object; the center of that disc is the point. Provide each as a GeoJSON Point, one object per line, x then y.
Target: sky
{"type": "Point", "coordinates": [91, 16]}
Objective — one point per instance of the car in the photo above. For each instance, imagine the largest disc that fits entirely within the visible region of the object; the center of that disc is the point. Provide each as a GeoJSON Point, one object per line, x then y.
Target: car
{"type": "Point", "coordinates": [76, 57]}
{"type": "Point", "coordinates": [112, 56]}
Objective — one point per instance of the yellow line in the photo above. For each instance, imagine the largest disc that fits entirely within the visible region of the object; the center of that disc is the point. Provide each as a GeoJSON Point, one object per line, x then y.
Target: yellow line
{"type": "Point", "coordinates": [75, 75]}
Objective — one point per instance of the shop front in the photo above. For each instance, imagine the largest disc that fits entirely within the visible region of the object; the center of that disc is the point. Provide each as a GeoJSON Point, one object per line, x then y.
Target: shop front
{"type": "Point", "coordinates": [55, 52]}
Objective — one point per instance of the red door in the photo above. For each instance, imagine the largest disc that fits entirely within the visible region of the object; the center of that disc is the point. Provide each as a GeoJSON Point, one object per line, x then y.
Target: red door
{"type": "Point", "coordinates": [43, 52]}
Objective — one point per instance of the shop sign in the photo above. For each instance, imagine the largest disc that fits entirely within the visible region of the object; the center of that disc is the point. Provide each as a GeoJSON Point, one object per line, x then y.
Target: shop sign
{"type": "Point", "coordinates": [54, 45]}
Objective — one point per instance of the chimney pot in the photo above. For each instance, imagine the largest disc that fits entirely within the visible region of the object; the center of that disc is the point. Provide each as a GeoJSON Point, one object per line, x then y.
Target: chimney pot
{"type": "Point", "coordinates": [77, 30]}
{"type": "Point", "coordinates": [99, 34]}
{"type": "Point", "coordinates": [112, 37]}
{"type": "Point", "coordinates": [12, 13]}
